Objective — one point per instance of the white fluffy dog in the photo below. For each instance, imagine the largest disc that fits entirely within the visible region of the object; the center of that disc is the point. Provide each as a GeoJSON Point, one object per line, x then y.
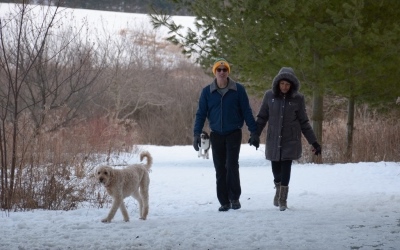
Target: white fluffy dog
{"type": "Point", "coordinates": [132, 181]}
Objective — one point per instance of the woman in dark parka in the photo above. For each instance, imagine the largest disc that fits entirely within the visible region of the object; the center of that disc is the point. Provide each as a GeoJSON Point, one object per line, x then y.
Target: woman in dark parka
{"type": "Point", "coordinates": [283, 107]}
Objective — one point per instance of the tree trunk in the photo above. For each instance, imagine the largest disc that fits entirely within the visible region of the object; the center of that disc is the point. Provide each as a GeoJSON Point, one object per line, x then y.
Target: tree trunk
{"type": "Point", "coordinates": [350, 129]}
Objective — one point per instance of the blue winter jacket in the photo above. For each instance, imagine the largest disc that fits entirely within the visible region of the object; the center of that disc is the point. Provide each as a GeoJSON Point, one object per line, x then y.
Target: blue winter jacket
{"type": "Point", "coordinates": [226, 113]}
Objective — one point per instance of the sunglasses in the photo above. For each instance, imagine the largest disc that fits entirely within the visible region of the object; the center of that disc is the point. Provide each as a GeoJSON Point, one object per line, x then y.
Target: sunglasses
{"type": "Point", "coordinates": [224, 69]}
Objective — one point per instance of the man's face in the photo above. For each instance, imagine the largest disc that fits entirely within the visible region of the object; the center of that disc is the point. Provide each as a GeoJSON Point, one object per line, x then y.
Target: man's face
{"type": "Point", "coordinates": [221, 72]}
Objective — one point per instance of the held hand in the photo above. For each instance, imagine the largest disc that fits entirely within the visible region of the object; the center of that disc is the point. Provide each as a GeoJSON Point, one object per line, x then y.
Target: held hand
{"type": "Point", "coordinates": [317, 148]}
{"type": "Point", "coordinates": [196, 142]}
{"type": "Point", "coordinates": [254, 140]}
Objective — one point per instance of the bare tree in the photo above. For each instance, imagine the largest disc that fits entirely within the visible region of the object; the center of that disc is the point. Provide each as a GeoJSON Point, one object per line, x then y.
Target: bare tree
{"type": "Point", "coordinates": [46, 75]}
{"type": "Point", "coordinates": [132, 76]}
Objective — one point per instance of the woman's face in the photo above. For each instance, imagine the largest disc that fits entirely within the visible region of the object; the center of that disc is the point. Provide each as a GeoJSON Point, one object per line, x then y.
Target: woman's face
{"type": "Point", "coordinates": [284, 86]}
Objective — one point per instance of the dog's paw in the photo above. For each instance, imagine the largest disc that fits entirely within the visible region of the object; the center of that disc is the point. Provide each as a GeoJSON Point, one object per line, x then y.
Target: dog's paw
{"type": "Point", "coordinates": [105, 220]}
{"type": "Point", "coordinates": [142, 218]}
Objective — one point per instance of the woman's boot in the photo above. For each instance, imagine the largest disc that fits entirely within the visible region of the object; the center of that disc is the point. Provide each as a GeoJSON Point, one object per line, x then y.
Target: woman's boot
{"type": "Point", "coordinates": [278, 189]}
{"type": "Point", "coordinates": [283, 194]}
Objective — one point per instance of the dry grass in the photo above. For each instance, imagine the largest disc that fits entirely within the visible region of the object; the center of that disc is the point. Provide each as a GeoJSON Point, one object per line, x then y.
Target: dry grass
{"type": "Point", "coordinates": [375, 139]}
{"type": "Point", "coordinates": [57, 167]}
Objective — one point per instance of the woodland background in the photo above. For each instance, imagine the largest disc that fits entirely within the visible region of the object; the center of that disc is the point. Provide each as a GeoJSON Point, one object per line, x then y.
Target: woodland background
{"type": "Point", "coordinates": [69, 99]}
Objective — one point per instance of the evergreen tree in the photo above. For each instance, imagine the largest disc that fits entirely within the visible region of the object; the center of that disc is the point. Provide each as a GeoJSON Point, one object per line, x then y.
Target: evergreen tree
{"type": "Point", "coordinates": [347, 48]}
{"type": "Point", "coordinates": [363, 61]}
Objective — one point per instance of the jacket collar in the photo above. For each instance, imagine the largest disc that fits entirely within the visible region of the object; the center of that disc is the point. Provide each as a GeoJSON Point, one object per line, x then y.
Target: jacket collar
{"type": "Point", "coordinates": [231, 85]}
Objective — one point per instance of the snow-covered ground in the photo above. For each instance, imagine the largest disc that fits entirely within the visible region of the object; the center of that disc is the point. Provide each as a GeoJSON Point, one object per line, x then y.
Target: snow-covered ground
{"type": "Point", "coordinates": [104, 23]}
{"type": "Point", "coordinates": [340, 206]}
{"type": "Point", "coordinates": [122, 34]}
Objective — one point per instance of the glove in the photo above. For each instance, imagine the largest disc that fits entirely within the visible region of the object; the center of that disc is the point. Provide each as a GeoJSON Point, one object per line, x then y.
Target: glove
{"type": "Point", "coordinates": [254, 140]}
{"type": "Point", "coordinates": [196, 142]}
{"type": "Point", "coordinates": [317, 148]}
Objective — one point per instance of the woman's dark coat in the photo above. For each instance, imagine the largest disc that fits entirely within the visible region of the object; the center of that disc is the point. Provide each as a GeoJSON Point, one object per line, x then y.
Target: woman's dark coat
{"type": "Point", "coordinates": [287, 119]}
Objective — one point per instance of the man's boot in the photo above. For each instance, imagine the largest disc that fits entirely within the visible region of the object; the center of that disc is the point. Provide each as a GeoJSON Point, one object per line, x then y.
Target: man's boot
{"type": "Point", "coordinates": [276, 197]}
{"type": "Point", "coordinates": [283, 194]}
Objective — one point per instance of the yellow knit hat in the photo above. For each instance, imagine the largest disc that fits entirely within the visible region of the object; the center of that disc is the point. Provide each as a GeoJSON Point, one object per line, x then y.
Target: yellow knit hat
{"type": "Point", "coordinates": [220, 62]}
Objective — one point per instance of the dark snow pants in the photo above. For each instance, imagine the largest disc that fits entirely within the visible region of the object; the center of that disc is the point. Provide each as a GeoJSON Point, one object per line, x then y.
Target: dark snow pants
{"type": "Point", "coordinates": [225, 152]}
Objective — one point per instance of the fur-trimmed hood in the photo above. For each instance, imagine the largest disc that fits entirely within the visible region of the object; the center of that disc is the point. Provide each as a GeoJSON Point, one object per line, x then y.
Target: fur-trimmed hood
{"type": "Point", "coordinates": [288, 74]}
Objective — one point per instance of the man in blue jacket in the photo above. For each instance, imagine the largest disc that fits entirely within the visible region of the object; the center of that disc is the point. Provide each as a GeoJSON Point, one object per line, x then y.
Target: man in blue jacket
{"type": "Point", "coordinates": [226, 105]}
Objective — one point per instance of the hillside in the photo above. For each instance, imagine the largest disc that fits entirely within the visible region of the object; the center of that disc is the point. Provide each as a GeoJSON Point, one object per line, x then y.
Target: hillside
{"type": "Point", "coordinates": [129, 6]}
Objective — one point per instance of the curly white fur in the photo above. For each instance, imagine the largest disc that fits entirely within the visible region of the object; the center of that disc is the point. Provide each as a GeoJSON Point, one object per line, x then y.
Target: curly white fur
{"type": "Point", "coordinates": [131, 181]}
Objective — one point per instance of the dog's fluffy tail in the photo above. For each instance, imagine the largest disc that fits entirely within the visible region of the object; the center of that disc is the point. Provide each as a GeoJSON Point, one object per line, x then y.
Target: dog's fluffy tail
{"type": "Point", "coordinates": [149, 159]}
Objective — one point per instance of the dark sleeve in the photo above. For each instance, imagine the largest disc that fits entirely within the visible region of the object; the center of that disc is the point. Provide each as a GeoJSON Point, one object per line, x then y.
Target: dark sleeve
{"type": "Point", "coordinates": [247, 111]}
{"type": "Point", "coordinates": [201, 113]}
{"type": "Point", "coordinates": [306, 128]}
{"type": "Point", "coordinates": [263, 115]}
